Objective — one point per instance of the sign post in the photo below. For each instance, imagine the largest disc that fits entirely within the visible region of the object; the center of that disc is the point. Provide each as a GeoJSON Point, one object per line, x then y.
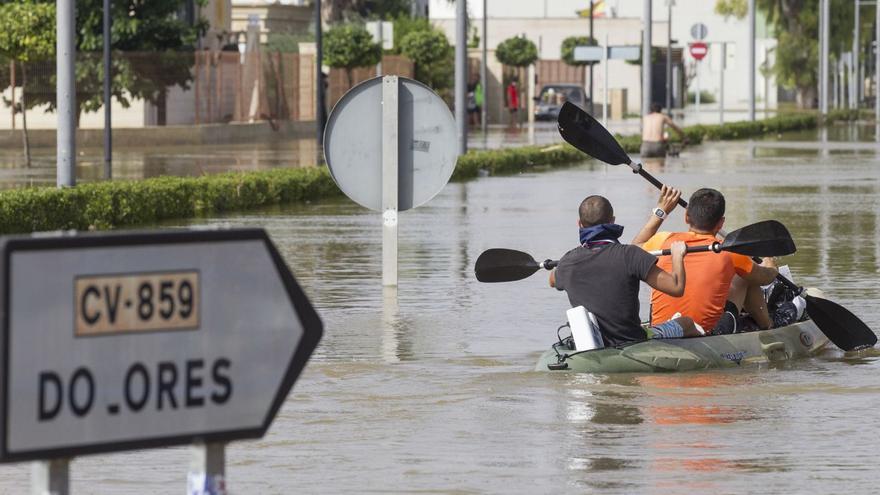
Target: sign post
{"type": "Point", "coordinates": [137, 340]}
{"type": "Point", "coordinates": [391, 145]}
{"type": "Point", "coordinates": [698, 50]}
{"type": "Point", "coordinates": [591, 53]}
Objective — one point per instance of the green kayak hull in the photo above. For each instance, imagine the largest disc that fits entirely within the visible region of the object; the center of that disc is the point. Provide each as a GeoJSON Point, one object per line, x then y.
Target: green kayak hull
{"type": "Point", "coordinates": [717, 351]}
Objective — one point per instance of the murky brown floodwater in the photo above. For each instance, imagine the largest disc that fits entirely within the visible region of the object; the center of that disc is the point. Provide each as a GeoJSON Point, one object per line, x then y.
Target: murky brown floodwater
{"type": "Point", "coordinates": [437, 393]}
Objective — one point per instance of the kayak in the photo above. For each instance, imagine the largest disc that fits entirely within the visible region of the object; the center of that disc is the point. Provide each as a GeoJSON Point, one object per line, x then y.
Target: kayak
{"type": "Point", "coordinates": [801, 339]}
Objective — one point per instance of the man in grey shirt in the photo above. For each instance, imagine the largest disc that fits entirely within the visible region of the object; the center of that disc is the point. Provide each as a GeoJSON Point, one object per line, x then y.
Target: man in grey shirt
{"type": "Point", "coordinates": [603, 276]}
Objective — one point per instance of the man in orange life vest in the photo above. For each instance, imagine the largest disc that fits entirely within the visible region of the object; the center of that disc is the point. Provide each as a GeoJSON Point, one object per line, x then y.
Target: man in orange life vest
{"type": "Point", "coordinates": [719, 285]}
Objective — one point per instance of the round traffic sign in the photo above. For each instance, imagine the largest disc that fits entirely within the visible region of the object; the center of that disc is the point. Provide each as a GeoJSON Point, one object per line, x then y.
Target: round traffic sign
{"type": "Point", "coordinates": [698, 50]}
{"type": "Point", "coordinates": [699, 31]}
{"type": "Point", "coordinates": [427, 146]}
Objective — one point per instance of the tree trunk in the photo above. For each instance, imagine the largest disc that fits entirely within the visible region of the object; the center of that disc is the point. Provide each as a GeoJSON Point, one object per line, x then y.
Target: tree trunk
{"type": "Point", "coordinates": [161, 107]}
{"type": "Point", "coordinates": [24, 130]}
{"type": "Point", "coordinates": [806, 97]}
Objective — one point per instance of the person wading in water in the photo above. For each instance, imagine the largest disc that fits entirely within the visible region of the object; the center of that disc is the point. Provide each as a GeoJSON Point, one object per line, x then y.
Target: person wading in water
{"type": "Point", "coordinates": [653, 125]}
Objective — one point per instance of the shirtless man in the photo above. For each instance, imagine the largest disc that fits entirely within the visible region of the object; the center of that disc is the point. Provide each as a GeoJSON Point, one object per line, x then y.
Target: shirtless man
{"type": "Point", "coordinates": [653, 143]}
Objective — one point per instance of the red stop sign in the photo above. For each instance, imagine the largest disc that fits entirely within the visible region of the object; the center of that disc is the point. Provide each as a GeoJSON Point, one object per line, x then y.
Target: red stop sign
{"type": "Point", "coordinates": [699, 50]}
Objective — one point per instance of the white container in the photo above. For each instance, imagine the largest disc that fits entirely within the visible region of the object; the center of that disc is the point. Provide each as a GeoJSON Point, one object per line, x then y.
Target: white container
{"type": "Point", "coordinates": [584, 329]}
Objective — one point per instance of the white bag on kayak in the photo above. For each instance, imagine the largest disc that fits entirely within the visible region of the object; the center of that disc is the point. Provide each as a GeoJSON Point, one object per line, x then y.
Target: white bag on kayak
{"type": "Point", "coordinates": [584, 329]}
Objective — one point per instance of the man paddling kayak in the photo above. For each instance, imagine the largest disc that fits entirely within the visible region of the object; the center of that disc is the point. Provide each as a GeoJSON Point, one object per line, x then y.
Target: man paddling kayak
{"type": "Point", "coordinates": [719, 285]}
{"type": "Point", "coordinates": [603, 276]}
{"type": "Point", "coordinates": [653, 125]}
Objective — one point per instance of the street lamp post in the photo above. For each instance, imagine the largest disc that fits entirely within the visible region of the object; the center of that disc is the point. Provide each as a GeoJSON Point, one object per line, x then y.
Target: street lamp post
{"type": "Point", "coordinates": [461, 73]}
{"type": "Point", "coordinates": [752, 60]}
{"type": "Point", "coordinates": [669, 5]}
{"type": "Point", "coordinates": [484, 78]}
{"type": "Point", "coordinates": [646, 59]}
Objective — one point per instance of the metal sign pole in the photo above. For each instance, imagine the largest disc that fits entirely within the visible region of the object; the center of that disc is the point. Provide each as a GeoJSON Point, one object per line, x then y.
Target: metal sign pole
{"type": "Point", "coordinates": [389, 179]}
{"type": "Point", "coordinates": [697, 69]}
{"type": "Point", "coordinates": [605, 83]}
{"type": "Point", "coordinates": [65, 90]}
{"type": "Point", "coordinates": [723, 66]}
{"type": "Point", "coordinates": [51, 476]}
{"type": "Point", "coordinates": [207, 469]}
{"type": "Point", "coordinates": [751, 13]}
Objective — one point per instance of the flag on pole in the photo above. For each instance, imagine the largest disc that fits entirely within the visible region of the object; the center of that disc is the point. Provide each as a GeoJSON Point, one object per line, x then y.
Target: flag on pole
{"type": "Point", "coordinates": [597, 13]}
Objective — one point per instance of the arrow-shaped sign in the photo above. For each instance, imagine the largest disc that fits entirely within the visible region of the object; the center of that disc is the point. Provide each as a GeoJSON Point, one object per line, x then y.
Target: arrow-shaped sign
{"type": "Point", "coordinates": [133, 340]}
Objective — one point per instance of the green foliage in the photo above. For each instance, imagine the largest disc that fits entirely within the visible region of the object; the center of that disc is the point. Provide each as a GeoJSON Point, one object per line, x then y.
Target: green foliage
{"type": "Point", "coordinates": [432, 55]}
{"type": "Point", "coordinates": [517, 52]}
{"type": "Point", "coordinates": [568, 45]}
{"type": "Point", "coordinates": [405, 25]}
{"type": "Point", "coordinates": [28, 33]}
{"type": "Point", "coordinates": [103, 205]}
{"type": "Point", "coordinates": [155, 26]}
{"type": "Point", "coordinates": [731, 8]}
{"type": "Point", "coordinates": [347, 46]}
{"type": "Point", "coordinates": [705, 97]}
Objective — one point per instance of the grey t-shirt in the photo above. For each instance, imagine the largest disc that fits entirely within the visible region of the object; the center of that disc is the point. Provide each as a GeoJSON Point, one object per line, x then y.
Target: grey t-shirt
{"type": "Point", "coordinates": [605, 280]}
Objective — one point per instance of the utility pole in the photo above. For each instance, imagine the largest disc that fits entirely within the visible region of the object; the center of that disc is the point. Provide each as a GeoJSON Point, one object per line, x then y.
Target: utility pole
{"type": "Point", "coordinates": [857, 83]}
{"type": "Point", "coordinates": [65, 92]}
{"type": "Point", "coordinates": [877, 72]}
{"type": "Point", "coordinates": [592, 65]}
{"type": "Point", "coordinates": [646, 59]}
{"type": "Point", "coordinates": [752, 60]}
{"type": "Point", "coordinates": [824, 66]}
{"type": "Point", "coordinates": [484, 78]}
{"type": "Point", "coordinates": [320, 116]}
{"type": "Point", "coordinates": [669, 4]}
{"type": "Point", "coordinates": [108, 126]}
{"type": "Point", "coordinates": [461, 73]}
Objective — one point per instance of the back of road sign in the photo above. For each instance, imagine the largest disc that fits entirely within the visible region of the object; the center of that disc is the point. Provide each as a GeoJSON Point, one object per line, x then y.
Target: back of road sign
{"type": "Point", "coordinates": [427, 148]}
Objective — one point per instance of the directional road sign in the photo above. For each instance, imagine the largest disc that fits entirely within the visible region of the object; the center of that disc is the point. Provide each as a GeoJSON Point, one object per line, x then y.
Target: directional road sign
{"type": "Point", "coordinates": [133, 340]}
{"type": "Point", "coordinates": [698, 50]}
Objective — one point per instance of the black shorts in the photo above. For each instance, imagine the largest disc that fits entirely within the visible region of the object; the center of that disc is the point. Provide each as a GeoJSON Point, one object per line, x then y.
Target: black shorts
{"type": "Point", "coordinates": [727, 324]}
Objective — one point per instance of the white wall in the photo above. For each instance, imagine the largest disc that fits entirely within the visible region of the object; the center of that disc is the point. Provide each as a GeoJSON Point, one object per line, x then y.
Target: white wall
{"type": "Point", "coordinates": [548, 22]}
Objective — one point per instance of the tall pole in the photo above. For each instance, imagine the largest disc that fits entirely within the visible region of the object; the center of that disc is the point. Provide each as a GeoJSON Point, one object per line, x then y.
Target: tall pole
{"type": "Point", "coordinates": [752, 60]}
{"type": "Point", "coordinates": [484, 78]}
{"type": "Point", "coordinates": [721, 95]}
{"type": "Point", "coordinates": [669, 4]}
{"type": "Point", "coordinates": [646, 59]}
{"type": "Point", "coordinates": [65, 92]}
{"type": "Point", "coordinates": [857, 83]}
{"type": "Point", "coordinates": [320, 116]}
{"type": "Point", "coordinates": [877, 71]}
{"type": "Point", "coordinates": [108, 132]}
{"type": "Point", "coordinates": [592, 65]}
{"type": "Point", "coordinates": [824, 66]}
{"type": "Point", "coordinates": [461, 73]}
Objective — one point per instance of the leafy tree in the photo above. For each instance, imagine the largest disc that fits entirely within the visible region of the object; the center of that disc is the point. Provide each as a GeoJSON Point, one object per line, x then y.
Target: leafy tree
{"type": "Point", "coordinates": [333, 11]}
{"type": "Point", "coordinates": [347, 46]}
{"type": "Point", "coordinates": [517, 52]}
{"type": "Point", "coordinates": [568, 45]}
{"type": "Point", "coordinates": [796, 26]}
{"type": "Point", "coordinates": [28, 36]}
{"type": "Point", "coordinates": [153, 50]}
{"type": "Point", "coordinates": [432, 55]}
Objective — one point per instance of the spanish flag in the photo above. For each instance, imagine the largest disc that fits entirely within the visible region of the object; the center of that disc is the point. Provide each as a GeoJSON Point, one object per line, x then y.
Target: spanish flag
{"type": "Point", "coordinates": [598, 10]}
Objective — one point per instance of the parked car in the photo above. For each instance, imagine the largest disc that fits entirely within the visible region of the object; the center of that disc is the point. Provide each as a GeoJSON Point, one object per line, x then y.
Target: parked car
{"type": "Point", "coordinates": [552, 96]}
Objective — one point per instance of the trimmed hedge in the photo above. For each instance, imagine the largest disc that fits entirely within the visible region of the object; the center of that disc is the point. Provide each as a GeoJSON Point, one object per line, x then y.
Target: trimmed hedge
{"type": "Point", "coordinates": [106, 205]}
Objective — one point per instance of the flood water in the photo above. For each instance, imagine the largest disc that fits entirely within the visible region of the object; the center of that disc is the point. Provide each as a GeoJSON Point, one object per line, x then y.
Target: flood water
{"type": "Point", "coordinates": [434, 390]}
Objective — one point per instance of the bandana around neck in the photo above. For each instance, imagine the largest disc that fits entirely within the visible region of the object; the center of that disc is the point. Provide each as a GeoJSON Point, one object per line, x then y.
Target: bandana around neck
{"type": "Point", "coordinates": [607, 232]}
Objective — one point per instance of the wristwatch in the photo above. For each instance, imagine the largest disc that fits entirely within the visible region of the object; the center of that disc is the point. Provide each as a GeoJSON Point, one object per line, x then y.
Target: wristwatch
{"type": "Point", "coordinates": [659, 213]}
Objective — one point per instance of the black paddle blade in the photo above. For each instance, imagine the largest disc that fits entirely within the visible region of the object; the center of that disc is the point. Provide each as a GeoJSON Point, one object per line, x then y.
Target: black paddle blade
{"type": "Point", "coordinates": [842, 327]}
{"type": "Point", "coordinates": [585, 133]}
{"type": "Point", "coordinates": [504, 265]}
{"type": "Point", "coordinates": [767, 238]}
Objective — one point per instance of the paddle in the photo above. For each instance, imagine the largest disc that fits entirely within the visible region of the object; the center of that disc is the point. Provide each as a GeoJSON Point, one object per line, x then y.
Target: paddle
{"type": "Point", "coordinates": [583, 132]}
{"type": "Point", "coordinates": [768, 238]}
